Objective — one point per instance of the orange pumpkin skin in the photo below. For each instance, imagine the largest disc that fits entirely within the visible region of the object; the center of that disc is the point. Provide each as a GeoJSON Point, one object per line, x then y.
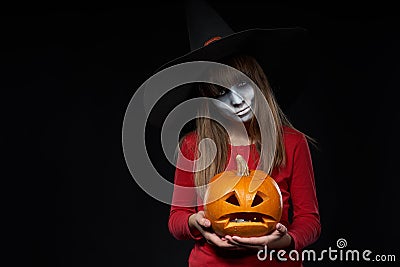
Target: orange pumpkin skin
{"type": "Point", "coordinates": [234, 210]}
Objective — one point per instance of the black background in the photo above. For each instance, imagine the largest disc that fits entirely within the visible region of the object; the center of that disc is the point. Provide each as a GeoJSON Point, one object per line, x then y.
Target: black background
{"type": "Point", "coordinates": [68, 74]}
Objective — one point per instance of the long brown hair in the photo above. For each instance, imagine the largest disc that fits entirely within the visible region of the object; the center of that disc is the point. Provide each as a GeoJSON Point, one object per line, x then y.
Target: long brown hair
{"type": "Point", "coordinates": [209, 128]}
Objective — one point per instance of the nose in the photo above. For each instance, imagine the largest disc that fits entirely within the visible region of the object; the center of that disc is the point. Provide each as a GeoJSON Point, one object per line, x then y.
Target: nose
{"type": "Point", "coordinates": [236, 99]}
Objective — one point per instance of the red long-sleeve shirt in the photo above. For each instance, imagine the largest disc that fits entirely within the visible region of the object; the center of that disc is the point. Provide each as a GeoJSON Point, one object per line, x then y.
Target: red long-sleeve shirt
{"type": "Point", "coordinates": [295, 180]}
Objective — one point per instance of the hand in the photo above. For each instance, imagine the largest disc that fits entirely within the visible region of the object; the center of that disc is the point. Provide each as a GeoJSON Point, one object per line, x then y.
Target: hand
{"type": "Point", "coordinates": [201, 224]}
{"type": "Point", "coordinates": [278, 239]}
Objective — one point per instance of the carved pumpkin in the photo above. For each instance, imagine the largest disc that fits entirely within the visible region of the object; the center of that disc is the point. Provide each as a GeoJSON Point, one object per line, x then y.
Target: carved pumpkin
{"type": "Point", "coordinates": [243, 203]}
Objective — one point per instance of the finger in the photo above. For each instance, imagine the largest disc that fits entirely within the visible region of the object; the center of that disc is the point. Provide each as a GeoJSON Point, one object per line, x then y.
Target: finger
{"type": "Point", "coordinates": [243, 245]}
{"type": "Point", "coordinates": [250, 241]}
{"type": "Point", "coordinates": [231, 240]}
{"type": "Point", "coordinates": [281, 228]}
{"type": "Point", "coordinates": [204, 222]}
{"type": "Point", "coordinates": [201, 220]}
{"type": "Point", "coordinates": [215, 240]}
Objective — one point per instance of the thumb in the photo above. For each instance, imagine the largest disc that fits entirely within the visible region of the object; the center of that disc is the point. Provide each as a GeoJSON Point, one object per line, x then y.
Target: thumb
{"type": "Point", "coordinates": [202, 219]}
{"type": "Point", "coordinates": [281, 228]}
{"type": "Point", "coordinates": [206, 223]}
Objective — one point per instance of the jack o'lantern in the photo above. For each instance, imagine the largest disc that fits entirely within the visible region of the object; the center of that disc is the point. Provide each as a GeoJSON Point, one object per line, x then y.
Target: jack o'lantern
{"type": "Point", "coordinates": [243, 203]}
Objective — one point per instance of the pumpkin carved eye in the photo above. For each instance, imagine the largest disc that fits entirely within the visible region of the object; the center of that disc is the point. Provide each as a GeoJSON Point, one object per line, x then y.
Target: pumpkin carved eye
{"type": "Point", "coordinates": [233, 200]}
{"type": "Point", "coordinates": [257, 200]}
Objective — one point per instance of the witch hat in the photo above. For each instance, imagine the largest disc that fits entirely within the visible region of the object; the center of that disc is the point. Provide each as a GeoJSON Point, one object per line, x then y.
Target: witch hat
{"type": "Point", "coordinates": [281, 52]}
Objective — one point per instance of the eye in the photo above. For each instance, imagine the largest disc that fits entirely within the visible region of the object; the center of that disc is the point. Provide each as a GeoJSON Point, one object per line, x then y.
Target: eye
{"type": "Point", "coordinates": [221, 92]}
{"type": "Point", "coordinates": [242, 84]}
{"type": "Point", "coordinates": [257, 200]}
{"type": "Point", "coordinates": [233, 200]}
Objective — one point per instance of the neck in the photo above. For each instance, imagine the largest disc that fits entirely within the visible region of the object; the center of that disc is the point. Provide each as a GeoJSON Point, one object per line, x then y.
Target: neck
{"type": "Point", "coordinates": [238, 133]}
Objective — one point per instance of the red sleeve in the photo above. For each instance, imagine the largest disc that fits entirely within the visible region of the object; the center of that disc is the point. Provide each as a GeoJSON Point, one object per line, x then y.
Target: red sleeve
{"type": "Point", "coordinates": [305, 228]}
{"type": "Point", "coordinates": [184, 198]}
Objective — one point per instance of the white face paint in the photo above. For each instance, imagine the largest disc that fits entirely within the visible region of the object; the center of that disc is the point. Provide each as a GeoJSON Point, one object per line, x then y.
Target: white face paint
{"type": "Point", "coordinates": [237, 103]}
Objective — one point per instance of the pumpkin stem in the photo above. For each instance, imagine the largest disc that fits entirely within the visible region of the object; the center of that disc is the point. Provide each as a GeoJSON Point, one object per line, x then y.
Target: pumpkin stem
{"type": "Point", "coordinates": [242, 168]}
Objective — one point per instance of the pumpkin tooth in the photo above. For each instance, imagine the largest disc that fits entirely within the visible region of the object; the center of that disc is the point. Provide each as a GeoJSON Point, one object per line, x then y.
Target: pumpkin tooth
{"type": "Point", "coordinates": [239, 220]}
{"type": "Point", "coordinates": [246, 217]}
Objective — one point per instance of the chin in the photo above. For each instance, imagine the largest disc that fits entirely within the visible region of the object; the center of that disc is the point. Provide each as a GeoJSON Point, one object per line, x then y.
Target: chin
{"type": "Point", "coordinates": [234, 118]}
{"type": "Point", "coordinates": [246, 118]}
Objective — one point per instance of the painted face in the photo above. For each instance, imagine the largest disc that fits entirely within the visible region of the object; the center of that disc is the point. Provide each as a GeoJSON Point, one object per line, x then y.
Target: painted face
{"type": "Point", "coordinates": [237, 103]}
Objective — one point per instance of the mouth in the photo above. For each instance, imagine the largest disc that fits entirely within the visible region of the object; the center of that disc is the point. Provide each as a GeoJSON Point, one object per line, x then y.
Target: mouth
{"type": "Point", "coordinates": [243, 111]}
{"type": "Point", "coordinates": [246, 217]}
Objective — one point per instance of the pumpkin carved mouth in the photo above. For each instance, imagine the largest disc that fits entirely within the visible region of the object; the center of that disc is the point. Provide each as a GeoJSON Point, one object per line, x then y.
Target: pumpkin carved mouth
{"type": "Point", "coordinates": [246, 224]}
{"type": "Point", "coordinates": [245, 217]}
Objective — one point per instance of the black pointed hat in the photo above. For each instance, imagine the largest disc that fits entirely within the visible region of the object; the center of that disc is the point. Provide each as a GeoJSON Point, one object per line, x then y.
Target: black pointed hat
{"type": "Point", "coordinates": [281, 52]}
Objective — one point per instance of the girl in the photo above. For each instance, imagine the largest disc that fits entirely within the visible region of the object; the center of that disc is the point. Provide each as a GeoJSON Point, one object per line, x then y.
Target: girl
{"type": "Point", "coordinates": [239, 106]}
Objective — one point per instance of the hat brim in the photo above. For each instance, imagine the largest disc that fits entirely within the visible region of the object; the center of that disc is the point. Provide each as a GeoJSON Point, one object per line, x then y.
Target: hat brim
{"type": "Point", "coordinates": [281, 52]}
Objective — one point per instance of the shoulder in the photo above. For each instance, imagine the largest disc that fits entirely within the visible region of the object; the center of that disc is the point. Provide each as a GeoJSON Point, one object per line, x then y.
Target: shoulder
{"type": "Point", "coordinates": [293, 137]}
{"type": "Point", "coordinates": [296, 148]}
{"type": "Point", "coordinates": [189, 138]}
{"type": "Point", "coordinates": [188, 143]}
